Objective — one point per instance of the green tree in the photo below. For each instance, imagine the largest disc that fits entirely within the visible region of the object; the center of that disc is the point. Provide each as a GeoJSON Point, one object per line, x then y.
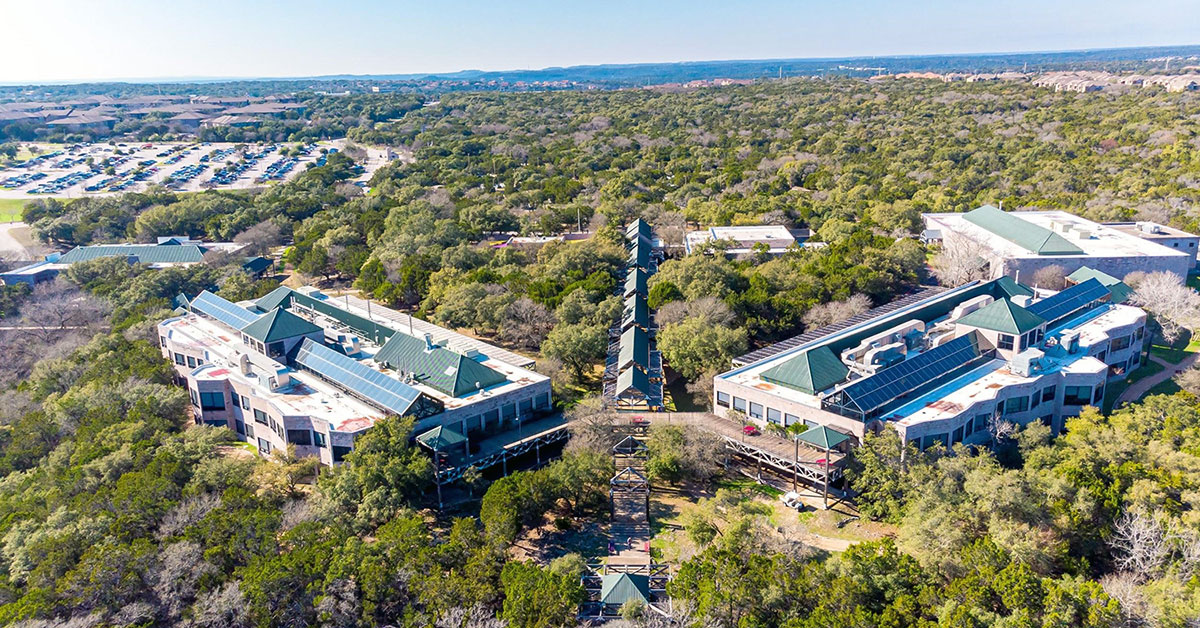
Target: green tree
{"type": "Point", "coordinates": [694, 346]}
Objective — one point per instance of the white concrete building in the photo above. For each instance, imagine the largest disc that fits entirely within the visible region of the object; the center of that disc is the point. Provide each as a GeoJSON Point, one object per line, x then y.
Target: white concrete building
{"type": "Point", "coordinates": [944, 366]}
{"type": "Point", "coordinates": [300, 369]}
{"type": "Point", "coordinates": [1018, 244]}
{"type": "Point", "coordinates": [777, 238]}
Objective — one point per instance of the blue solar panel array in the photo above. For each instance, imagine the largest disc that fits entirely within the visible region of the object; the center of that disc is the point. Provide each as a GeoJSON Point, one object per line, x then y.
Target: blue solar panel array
{"type": "Point", "coordinates": [214, 306]}
{"type": "Point", "coordinates": [1055, 307]}
{"type": "Point", "coordinates": [359, 379]}
{"type": "Point", "coordinates": [874, 392]}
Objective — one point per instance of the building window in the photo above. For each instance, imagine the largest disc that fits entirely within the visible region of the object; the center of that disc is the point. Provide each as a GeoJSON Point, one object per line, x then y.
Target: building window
{"type": "Point", "coordinates": [1016, 404]}
{"type": "Point", "coordinates": [1035, 399]}
{"type": "Point", "coordinates": [260, 416]}
{"type": "Point", "coordinates": [179, 359]}
{"type": "Point", "coordinates": [162, 340]}
{"type": "Point", "coordinates": [192, 394]}
{"type": "Point", "coordinates": [1140, 332]}
{"type": "Point", "coordinates": [933, 440]}
{"type": "Point", "coordinates": [756, 410]}
{"type": "Point", "coordinates": [264, 446]}
{"type": "Point", "coordinates": [250, 430]}
{"type": "Point", "coordinates": [1077, 395]}
{"type": "Point", "coordinates": [1048, 393]}
{"type": "Point", "coordinates": [723, 399]}
{"type": "Point", "coordinates": [1005, 342]}
{"type": "Point", "coordinates": [318, 439]}
{"type": "Point", "coordinates": [789, 419]}
{"type": "Point", "coordinates": [212, 401]}
{"type": "Point", "coordinates": [191, 362]}
{"type": "Point", "coordinates": [981, 421]}
{"type": "Point", "coordinates": [774, 416]}
{"type": "Point", "coordinates": [245, 402]}
{"type": "Point", "coordinates": [299, 437]}
{"type": "Point", "coordinates": [969, 428]}
{"type": "Point", "coordinates": [957, 436]}
{"type": "Point", "coordinates": [1099, 394]}
{"type": "Point", "coordinates": [239, 427]}
{"type": "Point", "coordinates": [339, 453]}
{"type": "Point", "coordinates": [1120, 344]}
{"type": "Point", "coordinates": [739, 404]}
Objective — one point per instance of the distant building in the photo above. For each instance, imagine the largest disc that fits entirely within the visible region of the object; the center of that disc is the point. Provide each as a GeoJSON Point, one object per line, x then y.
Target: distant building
{"type": "Point", "coordinates": [1018, 244]}
{"type": "Point", "coordinates": [943, 366]}
{"type": "Point", "coordinates": [169, 251]}
{"type": "Point", "coordinates": [777, 238]}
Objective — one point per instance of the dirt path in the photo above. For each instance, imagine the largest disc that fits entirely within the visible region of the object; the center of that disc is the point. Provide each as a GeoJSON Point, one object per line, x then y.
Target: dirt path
{"type": "Point", "coordinates": [1140, 387]}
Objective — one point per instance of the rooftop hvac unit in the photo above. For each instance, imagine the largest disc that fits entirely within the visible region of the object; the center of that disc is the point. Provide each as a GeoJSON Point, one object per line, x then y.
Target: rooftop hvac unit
{"type": "Point", "coordinates": [1022, 300]}
{"type": "Point", "coordinates": [1149, 227]}
{"type": "Point", "coordinates": [1083, 234]}
{"type": "Point", "coordinates": [1026, 363]}
{"type": "Point", "coordinates": [244, 363]}
{"type": "Point", "coordinates": [1069, 339]}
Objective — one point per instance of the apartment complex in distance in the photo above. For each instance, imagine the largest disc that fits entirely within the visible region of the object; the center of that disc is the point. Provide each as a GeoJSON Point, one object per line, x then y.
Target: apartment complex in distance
{"type": "Point", "coordinates": [943, 366]}
{"type": "Point", "coordinates": [298, 368]}
{"type": "Point", "coordinates": [1018, 244]}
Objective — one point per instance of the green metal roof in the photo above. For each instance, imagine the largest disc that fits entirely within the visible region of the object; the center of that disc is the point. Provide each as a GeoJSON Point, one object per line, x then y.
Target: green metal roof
{"type": "Point", "coordinates": [1023, 233]}
{"type": "Point", "coordinates": [142, 253]}
{"type": "Point", "coordinates": [635, 348]}
{"type": "Point", "coordinates": [635, 282]}
{"type": "Point", "coordinates": [639, 255]}
{"type": "Point", "coordinates": [441, 437]}
{"type": "Point", "coordinates": [1119, 290]}
{"type": "Point", "coordinates": [823, 437]}
{"type": "Point", "coordinates": [1003, 316]}
{"type": "Point", "coordinates": [633, 380]}
{"type": "Point", "coordinates": [810, 372]}
{"type": "Point", "coordinates": [438, 367]}
{"type": "Point", "coordinates": [1010, 287]}
{"type": "Point", "coordinates": [636, 312]}
{"type": "Point", "coordinates": [278, 325]}
{"type": "Point", "coordinates": [274, 299]}
{"type": "Point", "coordinates": [256, 264]}
{"type": "Point", "coordinates": [638, 228]}
{"type": "Point", "coordinates": [618, 588]}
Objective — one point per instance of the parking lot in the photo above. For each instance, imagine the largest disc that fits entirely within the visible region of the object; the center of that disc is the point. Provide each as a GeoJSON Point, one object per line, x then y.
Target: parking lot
{"type": "Point", "coordinates": [100, 169]}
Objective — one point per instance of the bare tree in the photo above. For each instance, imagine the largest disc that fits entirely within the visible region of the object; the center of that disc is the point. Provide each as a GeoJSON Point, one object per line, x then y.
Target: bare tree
{"type": "Point", "coordinates": [1052, 277]}
{"type": "Point", "coordinates": [221, 608]}
{"type": "Point", "coordinates": [477, 616]}
{"type": "Point", "coordinates": [58, 306]}
{"type": "Point", "coordinates": [1175, 306]}
{"type": "Point", "coordinates": [1135, 610]}
{"type": "Point", "coordinates": [1140, 544]}
{"type": "Point", "coordinates": [187, 512]}
{"type": "Point", "coordinates": [1000, 429]}
{"type": "Point", "coordinates": [526, 323]}
{"type": "Point", "coordinates": [259, 239]}
{"type": "Point", "coordinates": [175, 575]}
{"type": "Point", "coordinates": [961, 259]}
{"type": "Point", "coordinates": [824, 314]}
{"type": "Point", "coordinates": [341, 605]}
{"type": "Point", "coordinates": [712, 309]}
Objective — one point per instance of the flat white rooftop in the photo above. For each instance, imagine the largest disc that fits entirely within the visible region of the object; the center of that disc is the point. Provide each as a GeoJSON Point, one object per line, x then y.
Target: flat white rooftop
{"type": "Point", "coordinates": [1100, 241]}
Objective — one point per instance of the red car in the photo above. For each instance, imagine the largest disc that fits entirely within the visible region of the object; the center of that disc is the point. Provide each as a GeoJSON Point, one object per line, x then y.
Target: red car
{"type": "Point", "coordinates": [640, 421]}
{"type": "Point", "coordinates": [750, 430]}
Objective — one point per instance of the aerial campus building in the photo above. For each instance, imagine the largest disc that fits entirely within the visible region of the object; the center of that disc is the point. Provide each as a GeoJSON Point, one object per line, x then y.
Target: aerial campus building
{"type": "Point", "coordinates": [943, 365]}
{"type": "Point", "coordinates": [300, 368]}
{"type": "Point", "coordinates": [167, 252]}
{"type": "Point", "coordinates": [1018, 244]}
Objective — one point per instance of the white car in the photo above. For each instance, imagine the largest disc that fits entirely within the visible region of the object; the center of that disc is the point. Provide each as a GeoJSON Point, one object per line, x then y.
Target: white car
{"type": "Point", "coordinates": [792, 500]}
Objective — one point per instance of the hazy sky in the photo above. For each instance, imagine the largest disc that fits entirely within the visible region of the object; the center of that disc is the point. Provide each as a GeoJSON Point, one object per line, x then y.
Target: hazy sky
{"type": "Point", "coordinates": [47, 40]}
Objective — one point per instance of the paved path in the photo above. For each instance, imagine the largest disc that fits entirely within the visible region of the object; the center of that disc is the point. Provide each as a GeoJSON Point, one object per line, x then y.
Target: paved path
{"type": "Point", "coordinates": [1142, 386]}
{"type": "Point", "coordinates": [10, 247]}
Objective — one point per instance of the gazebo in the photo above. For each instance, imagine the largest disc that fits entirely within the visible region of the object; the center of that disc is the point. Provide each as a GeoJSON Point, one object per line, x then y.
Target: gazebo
{"type": "Point", "coordinates": [438, 440]}
{"type": "Point", "coordinates": [825, 438]}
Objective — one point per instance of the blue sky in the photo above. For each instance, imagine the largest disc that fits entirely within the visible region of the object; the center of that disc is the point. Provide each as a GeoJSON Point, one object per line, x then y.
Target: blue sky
{"type": "Point", "coordinates": [49, 40]}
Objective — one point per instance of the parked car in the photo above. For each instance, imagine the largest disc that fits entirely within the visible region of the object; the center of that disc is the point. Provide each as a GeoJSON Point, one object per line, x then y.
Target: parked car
{"type": "Point", "coordinates": [750, 430]}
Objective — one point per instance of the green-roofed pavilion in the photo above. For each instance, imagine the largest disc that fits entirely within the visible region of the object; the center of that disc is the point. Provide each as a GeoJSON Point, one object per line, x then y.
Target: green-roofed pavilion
{"type": "Point", "coordinates": [140, 253]}
{"type": "Point", "coordinates": [822, 437]}
{"type": "Point", "coordinates": [635, 349]}
{"type": "Point", "coordinates": [633, 382]}
{"type": "Point", "coordinates": [437, 367]}
{"type": "Point", "coordinates": [618, 588]}
{"type": "Point", "coordinates": [810, 372]}
{"type": "Point", "coordinates": [278, 325]}
{"type": "Point", "coordinates": [1120, 291]}
{"type": "Point", "coordinates": [441, 438]}
{"type": "Point", "coordinates": [1033, 238]}
{"type": "Point", "coordinates": [638, 229]}
{"type": "Point", "coordinates": [635, 282]}
{"type": "Point", "coordinates": [1003, 316]}
{"type": "Point", "coordinates": [639, 255]}
{"type": "Point", "coordinates": [636, 312]}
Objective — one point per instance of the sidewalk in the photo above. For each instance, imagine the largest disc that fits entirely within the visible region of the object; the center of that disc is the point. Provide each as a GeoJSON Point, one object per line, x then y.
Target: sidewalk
{"type": "Point", "coordinates": [1141, 387]}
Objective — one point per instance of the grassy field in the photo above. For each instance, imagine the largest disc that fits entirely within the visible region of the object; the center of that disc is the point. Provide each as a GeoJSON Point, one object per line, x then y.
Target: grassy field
{"type": "Point", "coordinates": [10, 209]}
{"type": "Point", "coordinates": [1176, 352]}
{"type": "Point", "coordinates": [1166, 387]}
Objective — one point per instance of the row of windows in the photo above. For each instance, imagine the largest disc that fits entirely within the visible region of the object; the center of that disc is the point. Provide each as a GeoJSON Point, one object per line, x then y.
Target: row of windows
{"type": "Point", "coordinates": [187, 360]}
{"type": "Point", "coordinates": [1006, 341]}
{"type": "Point", "coordinates": [756, 410]}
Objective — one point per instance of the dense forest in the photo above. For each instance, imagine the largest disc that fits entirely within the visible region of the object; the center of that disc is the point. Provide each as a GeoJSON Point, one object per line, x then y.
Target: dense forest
{"type": "Point", "coordinates": [116, 511]}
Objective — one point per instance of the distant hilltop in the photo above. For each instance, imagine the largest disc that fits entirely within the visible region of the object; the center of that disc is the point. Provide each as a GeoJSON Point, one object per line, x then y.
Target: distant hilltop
{"type": "Point", "coordinates": [1070, 81]}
